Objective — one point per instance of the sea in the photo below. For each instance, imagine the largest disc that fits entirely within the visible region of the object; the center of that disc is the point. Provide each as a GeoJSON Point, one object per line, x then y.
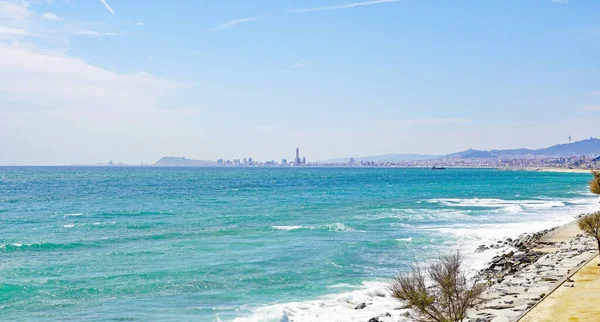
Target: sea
{"type": "Point", "coordinates": [250, 244]}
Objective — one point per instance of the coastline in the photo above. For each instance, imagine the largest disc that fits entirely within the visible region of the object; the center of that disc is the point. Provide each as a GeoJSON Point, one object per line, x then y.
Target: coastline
{"type": "Point", "coordinates": [541, 264]}
{"type": "Point", "coordinates": [560, 170]}
{"type": "Point", "coordinates": [521, 270]}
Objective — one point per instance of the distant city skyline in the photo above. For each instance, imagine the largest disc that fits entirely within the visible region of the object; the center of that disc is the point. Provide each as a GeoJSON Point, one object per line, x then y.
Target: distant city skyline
{"type": "Point", "coordinates": [580, 153]}
{"type": "Point", "coordinates": [87, 81]}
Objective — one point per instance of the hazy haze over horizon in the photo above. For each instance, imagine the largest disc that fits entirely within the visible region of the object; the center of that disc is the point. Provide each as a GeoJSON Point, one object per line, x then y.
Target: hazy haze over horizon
{"type": "Point", "coordinates": [83, 82]}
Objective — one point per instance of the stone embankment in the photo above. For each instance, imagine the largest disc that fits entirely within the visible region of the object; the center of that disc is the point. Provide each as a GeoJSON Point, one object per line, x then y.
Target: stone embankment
{"type": "Point", "coordinates": [531, 267]}
{"type": "Point", "coordinates": [519, 279]}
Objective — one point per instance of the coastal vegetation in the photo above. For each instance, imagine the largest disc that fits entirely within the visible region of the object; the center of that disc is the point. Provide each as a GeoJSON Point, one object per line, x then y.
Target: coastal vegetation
{"type": "Point", "coordinates": [442, 292]}
{"type": "Point", "coordinates": [595, 182]}
{"type": "Point", "coordinates": [590, 224]}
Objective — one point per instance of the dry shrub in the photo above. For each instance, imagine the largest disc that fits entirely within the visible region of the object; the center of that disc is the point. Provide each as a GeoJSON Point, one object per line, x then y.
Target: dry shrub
{"type": "Point", "coordinates": [590, 224]}
{"type": "Point", "coordinates": [595, 182]}
{"type": "Point", "coordinates": [441, 293]}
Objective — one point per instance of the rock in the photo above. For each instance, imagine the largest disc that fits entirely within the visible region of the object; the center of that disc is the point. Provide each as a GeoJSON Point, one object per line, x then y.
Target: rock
{"type": "Point", "coordinates": [479, 319]}
{"type": "Point", "coordinates": [549, 279]}
{"type": "Point", "coordinates": [481, 248]}
{"type": "Point", "coordinates": [501, 318]}
{"type": "Point", "coordinates": [375, 319]}
{"type": "Point", "coordinates": [361, 306]}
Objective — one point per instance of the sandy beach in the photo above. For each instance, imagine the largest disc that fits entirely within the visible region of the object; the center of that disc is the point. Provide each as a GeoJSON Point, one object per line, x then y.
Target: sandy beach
{"type": "Point", "coordinates": [565, 170]}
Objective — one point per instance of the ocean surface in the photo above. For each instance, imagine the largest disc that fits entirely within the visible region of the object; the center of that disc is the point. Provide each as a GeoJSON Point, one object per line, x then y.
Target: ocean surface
{"type": "Point", "coordinates": [247, 244]}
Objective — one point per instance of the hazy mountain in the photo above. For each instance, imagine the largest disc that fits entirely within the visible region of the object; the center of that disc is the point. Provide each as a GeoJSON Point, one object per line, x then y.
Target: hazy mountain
{"type": "Point", "coordinates": [589, 147]}
{"type": "Point", "coordinates": [181, 162]}
{"type": "Point", "coordinates": [389, 157]}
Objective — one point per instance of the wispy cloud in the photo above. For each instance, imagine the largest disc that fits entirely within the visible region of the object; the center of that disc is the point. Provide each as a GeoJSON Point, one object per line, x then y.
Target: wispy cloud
{"type": "Point", "coordinates": [14, 31]}
{"type": "Point", "coordinates": [561, 1]}
{"type": "Point", "coordinates": [107, 7]}
{"type": "Point", "coordinates": [419, 122]}
{"type": "Point", "coordinates": [591, 108]}
{"type": "Point", "coordinates": [595, 93]}
{"type": "Point", "coordinates": [140, 23]}
{"type": "Point", "coordinates": [14, 11]}
{"type": "Point", "coordinates": [235, 22]}
{"type": "Point", "coordinates": [95, 33]}
{"type": "Point", "coordinates": [50, 16]}
{"type": "Point", "coordinates": [343, 6]}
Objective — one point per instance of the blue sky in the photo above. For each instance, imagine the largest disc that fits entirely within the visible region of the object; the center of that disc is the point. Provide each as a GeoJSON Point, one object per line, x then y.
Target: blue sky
{"type": "Point", "coordinates": [89, 81]}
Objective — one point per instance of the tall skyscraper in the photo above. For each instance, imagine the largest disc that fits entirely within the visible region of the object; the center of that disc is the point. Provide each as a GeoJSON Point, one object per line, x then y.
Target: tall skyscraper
{"type": "Point", "coordinates": [297, 159]}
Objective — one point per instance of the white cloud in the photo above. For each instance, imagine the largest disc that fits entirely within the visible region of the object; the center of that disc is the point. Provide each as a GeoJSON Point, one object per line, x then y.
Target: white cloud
{"type": "Point", "coordinates": [95, 33]}
{"type": "Point", "coordinates": [140, 23]}
{"type": "Point", "coordinates": [561, 1]}
{"type": "Point", "coordinates": [107, 7]}
{"type": "Point", "coordinates": [50, 16]}
{"type": "Point", "coordinates": [591, 108]}
{"type": "Point", "coordinates": [595, 93]}
{"type": "Point", "coordinates": [13, 31]}
{"type": "Point", "coordinates": [58, 109]}
{"type": "Point", "coordinates": [14, 11]}
{"type": "Point", "coordinates": [344, 6]}
{"type": "Point", "coordinates": [235, 22]}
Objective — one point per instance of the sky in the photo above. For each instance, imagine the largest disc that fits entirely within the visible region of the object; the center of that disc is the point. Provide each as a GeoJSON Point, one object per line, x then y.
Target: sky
{"type": "Point", "coordinates": [88, 81]}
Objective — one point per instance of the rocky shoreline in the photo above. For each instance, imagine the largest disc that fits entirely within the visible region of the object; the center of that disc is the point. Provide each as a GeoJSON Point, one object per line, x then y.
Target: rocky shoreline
{"type": "Point", "coordinates": [521, 277]}
{"type": "Point", "coordinates": [529, 268]}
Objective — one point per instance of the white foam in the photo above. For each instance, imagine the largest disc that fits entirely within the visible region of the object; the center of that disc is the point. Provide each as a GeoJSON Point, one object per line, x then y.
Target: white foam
{"type": "Point", "coordinates": [335, 308]}
{"type": "Point", "coordinates": [499, 203]}
{"type": "Point", "coordinates": [406, 240]}
{"type": "Point", "coordinates": [69, 226]}
{"type": "Point", "coordinates": [341, 285]}
{"type": "Point", "coordinates": [339, 227]}
{"type": "Point", "coordinates": [287, 227]}
{"type": "Point", "coordinates": [331, 227]}
{"type": "Point", "coordinates": [73, 215]}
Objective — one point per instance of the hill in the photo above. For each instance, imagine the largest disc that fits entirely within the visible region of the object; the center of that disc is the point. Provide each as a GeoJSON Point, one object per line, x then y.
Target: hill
{"type": "Point", "coordinates": [589, 147]}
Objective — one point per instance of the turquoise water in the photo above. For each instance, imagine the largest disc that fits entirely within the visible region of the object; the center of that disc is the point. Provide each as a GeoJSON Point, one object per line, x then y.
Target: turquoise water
{"type": "Point", "coordinates": [109, 243]}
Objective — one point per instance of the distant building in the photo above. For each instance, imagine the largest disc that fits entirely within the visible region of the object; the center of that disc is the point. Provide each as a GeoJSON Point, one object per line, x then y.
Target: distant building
{"type": "Point", "coordinates": [297, 159]}
{"type": "Point", "coordinates": [283, 162]}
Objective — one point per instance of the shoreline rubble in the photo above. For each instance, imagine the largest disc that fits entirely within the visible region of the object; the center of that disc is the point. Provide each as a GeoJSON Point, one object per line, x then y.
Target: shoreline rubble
{"type": "Point", "coordinates": [530, 267]}
{"type": "Point", "coordinates": [521, 278]}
